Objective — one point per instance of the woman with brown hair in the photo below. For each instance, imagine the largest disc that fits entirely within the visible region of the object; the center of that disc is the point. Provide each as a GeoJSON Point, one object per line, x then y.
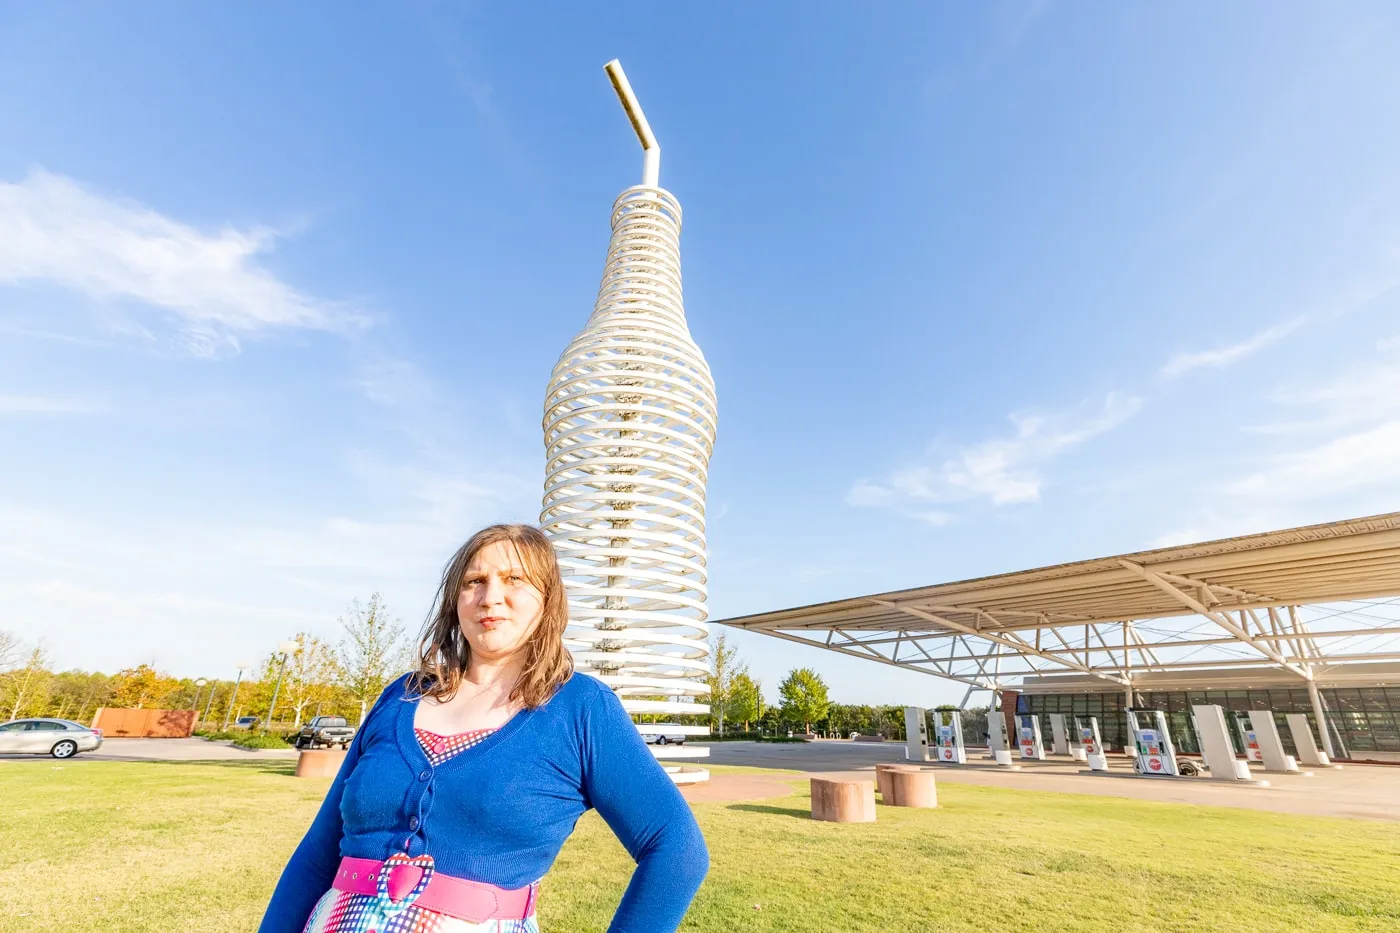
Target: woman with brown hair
{"type": "Point", "coordinates": [468, 774]}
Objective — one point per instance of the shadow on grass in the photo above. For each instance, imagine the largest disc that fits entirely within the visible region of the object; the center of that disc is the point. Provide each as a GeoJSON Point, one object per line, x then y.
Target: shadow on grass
{"type": "Point", "coordinates": [797, 812]}
{"type": "Point", "coordinates": [254, 765]}
{"type": "Point", "coordinates": [259, 766]}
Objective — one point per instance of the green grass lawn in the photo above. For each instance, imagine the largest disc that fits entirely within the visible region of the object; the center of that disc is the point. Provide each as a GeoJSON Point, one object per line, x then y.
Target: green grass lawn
{"type": "Point", "coordinates": [126, 847]}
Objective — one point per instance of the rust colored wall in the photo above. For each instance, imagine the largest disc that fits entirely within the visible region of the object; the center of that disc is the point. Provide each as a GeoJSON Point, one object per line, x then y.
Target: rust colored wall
{"type": "Point", "coordinates": [145, 723]}
{"type": "Point", "coordinates": [1008, 713]}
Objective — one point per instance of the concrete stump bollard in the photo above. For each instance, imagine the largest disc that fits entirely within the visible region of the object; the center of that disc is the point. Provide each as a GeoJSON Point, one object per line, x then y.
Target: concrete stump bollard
{"type": "Point", "coordinates": [315, 763]}
{"type": "Point", "coordinates": [843, 801]}
{"type": "Point", "coordinates": [912, 787]}
{"type": "Point", "coordinates": [882, 780]}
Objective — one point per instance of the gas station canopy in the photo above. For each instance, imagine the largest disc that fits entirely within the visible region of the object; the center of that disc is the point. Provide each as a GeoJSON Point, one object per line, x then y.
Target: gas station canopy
{"type": "Point", "coordinates": [1300, 605]}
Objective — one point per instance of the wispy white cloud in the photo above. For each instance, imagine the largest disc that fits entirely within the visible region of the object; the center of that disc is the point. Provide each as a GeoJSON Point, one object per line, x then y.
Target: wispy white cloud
{"type": "Point", "coordinates": [1355, 398]}
{"type": "Point", "coordinates": [194, 592]}
{"type": "Point", "coordinates": [1360, 459]}
{"type": "Point", "coordinates": [1225, 356]}
{"type": "Point", "coordinates": [1390, 343]}
{"type": "Point", "coordinates": [1002, 471]}
{"type": "Point", "coordinates": [45, 405]}
{"type": "Point", "coordinates": [393, 383]}
{"type": "Point", "coordinates": [1018, 21]}
{"type": "Point", "coordinates": [1336, 446]}
{"type": "Point", "coordinates": [55, 231]}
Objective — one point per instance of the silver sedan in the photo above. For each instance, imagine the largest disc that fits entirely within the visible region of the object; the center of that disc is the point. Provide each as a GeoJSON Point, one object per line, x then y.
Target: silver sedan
{"type": "Point", "coordinates": [60, 738]}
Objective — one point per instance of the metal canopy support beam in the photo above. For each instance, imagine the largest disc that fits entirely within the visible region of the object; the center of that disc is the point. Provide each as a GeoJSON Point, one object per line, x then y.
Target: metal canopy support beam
{"type": "Point", "coordinates": [1015, 642]}
{"type": "Point", "coordinates": [1123, 620]}
{"type": "Point", "coordinates": [871, 655]}
{"type": "Point", "coordinates": [1219, 618]}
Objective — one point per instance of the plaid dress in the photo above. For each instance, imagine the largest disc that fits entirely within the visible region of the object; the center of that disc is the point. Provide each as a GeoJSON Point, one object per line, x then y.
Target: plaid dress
{"type": "Point", "coordinates": [343, 912]}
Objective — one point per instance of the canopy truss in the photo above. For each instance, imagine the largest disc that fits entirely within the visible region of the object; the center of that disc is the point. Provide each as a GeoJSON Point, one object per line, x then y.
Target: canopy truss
{"type": "Point", "coordinates": [1292, 602]}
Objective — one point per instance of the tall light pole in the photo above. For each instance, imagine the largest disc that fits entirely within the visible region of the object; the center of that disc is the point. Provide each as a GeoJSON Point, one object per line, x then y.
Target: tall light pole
{"type": "Point", "coordinates": [209, 702]}
{"type": "Point", "coordinates": [242, 666]}
{"type": "Point", "coordinates": [198, 686]}
{"type": "Point", "coordinates": [287, 647]}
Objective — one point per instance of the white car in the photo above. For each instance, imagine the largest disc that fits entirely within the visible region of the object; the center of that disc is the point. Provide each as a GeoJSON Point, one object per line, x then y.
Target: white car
{"type": "Point", "coordinates": [663, 739]}
{"type": "Point", "coordinates": [61, 738]}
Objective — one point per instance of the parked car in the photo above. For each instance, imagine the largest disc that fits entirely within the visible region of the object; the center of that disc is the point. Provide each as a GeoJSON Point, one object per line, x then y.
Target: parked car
{"type": "Point", "coordinates": [325, 730]}
{"type": "Point", "coordinates": [245, 722]}
{"type": "Point", "coordinates": [663, 739]}
{"type": "Point", "coordinates": [61, 738]}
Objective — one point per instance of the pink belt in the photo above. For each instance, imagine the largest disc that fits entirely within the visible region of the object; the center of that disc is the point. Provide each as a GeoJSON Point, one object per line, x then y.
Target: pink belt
{"type": "Point", "coordinates": [401, 882]}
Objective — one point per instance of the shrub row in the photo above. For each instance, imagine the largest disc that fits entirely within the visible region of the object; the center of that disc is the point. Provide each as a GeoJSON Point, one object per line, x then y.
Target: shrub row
{"type": "Point", "coordinates": [260, 740]}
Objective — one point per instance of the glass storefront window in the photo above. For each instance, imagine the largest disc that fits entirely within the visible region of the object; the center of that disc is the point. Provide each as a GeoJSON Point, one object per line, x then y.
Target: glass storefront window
{"type": "Point", "coordinates": [1364, 720]}
{"type": "Point", "coordinates": [1374, 699]}
{"type": "Point", "coordinates": [1349, 700]}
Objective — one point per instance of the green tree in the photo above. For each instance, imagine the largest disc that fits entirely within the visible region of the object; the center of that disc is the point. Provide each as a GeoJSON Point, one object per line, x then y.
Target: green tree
{"type": "Point", "coordinates": [142, 686]}
{"type": "Point", "coordinates": [10, 652]}
{"type": "Point", "coordinates": [372, 651]}
{"type": "Point", "coordinates": [803, 693]}
{"type": "Point", "coordinates": [745, 699]}
{"type": "Point", "coordinates": [25, 691]}
{"type": "Point", "coordinates": [311, 674]}
{"type": "Point", "coordinates": [77, 695]}
{"type": "Point", "coordinates": [724, 668]}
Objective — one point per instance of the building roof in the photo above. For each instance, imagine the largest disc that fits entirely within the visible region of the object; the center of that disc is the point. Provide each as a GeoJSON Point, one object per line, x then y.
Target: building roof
{"type": "Point", "coordinates": [1250, 601]}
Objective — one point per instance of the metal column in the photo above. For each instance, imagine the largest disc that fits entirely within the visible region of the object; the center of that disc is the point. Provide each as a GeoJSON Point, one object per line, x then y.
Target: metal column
{"type": "Point", "coordinates": [1321, 713]}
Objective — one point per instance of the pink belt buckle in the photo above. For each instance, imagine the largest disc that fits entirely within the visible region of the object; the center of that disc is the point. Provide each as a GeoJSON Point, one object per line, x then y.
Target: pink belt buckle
{"type": "Point", "coordinates": [398, 887]}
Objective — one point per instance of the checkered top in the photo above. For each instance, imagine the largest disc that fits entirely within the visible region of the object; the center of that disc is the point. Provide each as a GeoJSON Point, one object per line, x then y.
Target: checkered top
{"type": "Point", "coordinates": [439, 748]}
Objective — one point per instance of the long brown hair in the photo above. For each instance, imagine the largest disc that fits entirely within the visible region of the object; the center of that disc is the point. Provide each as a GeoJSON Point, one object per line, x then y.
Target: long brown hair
{"type": "Point", "coordinates": [443, 652]}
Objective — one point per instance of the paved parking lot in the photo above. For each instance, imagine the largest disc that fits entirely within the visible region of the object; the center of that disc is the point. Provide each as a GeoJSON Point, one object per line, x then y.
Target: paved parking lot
{"type": "Point", "coordinates": [1365, 791]}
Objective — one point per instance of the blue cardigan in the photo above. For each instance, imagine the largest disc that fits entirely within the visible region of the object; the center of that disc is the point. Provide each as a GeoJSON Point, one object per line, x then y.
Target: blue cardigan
{"type": "Point", "coordinates": [500, 811]}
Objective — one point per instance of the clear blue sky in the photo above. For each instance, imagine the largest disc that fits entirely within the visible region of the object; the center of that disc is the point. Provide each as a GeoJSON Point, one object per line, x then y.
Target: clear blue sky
{"type": "Point", "coordinates": [983, 286]}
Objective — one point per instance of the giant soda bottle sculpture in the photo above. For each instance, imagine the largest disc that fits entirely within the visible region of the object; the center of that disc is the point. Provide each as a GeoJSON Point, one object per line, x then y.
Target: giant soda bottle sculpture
{"type": "Point", "coordinates": [629, 426]}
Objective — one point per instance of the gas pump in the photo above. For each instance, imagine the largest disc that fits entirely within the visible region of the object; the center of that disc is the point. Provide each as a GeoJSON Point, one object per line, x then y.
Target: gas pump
{"type": "Point", "coordinates": [1028, 737]}
{"type": "Point", "coordinates": [916, 733]}
{"type": "Point", "coordinates": [996, 738]}
{"type": "Point", "coordinates": [1156, 756]}
{"type": "Point", "coordinates": [948, 737]}
{"type": "Point", "coordinates": [1088, 730]}
{"type": "Point", "coordinates": [1248, 737]}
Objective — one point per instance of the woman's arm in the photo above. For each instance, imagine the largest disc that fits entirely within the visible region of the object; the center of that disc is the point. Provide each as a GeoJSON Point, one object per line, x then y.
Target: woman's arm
{"type": "Point", "coordinates": [314, 863]}
{"type": "Point", "coordinates": [640, 802]}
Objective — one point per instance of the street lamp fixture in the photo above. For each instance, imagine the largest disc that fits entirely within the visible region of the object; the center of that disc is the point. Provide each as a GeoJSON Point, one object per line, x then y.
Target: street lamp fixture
{"type": "Point", "coordinates": [242, 666]}
{"type": "Point", "coordinates": [209, 701]}
{"type": "Point", "coordinates": [287, 647]}
{"type": "Point", "coordinates": [198, 686]}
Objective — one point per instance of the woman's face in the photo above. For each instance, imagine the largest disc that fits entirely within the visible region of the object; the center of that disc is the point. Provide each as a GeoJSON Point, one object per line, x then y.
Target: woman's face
{"type": "Point", "coordinates": [497, 607]}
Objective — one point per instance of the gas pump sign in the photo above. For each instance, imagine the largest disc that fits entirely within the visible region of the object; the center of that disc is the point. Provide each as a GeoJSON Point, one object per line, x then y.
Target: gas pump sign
{"type": "Point", "coordinates": [1027, 742]}
{"type": "Point", "coordinates": [1251, 741]}
{"type": "Point", "coordinates": [1086, 738]}
{"type": "Point", "coordinates": [946, 751]}
{"type": "Point", "coordinates": [1150, 745]}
